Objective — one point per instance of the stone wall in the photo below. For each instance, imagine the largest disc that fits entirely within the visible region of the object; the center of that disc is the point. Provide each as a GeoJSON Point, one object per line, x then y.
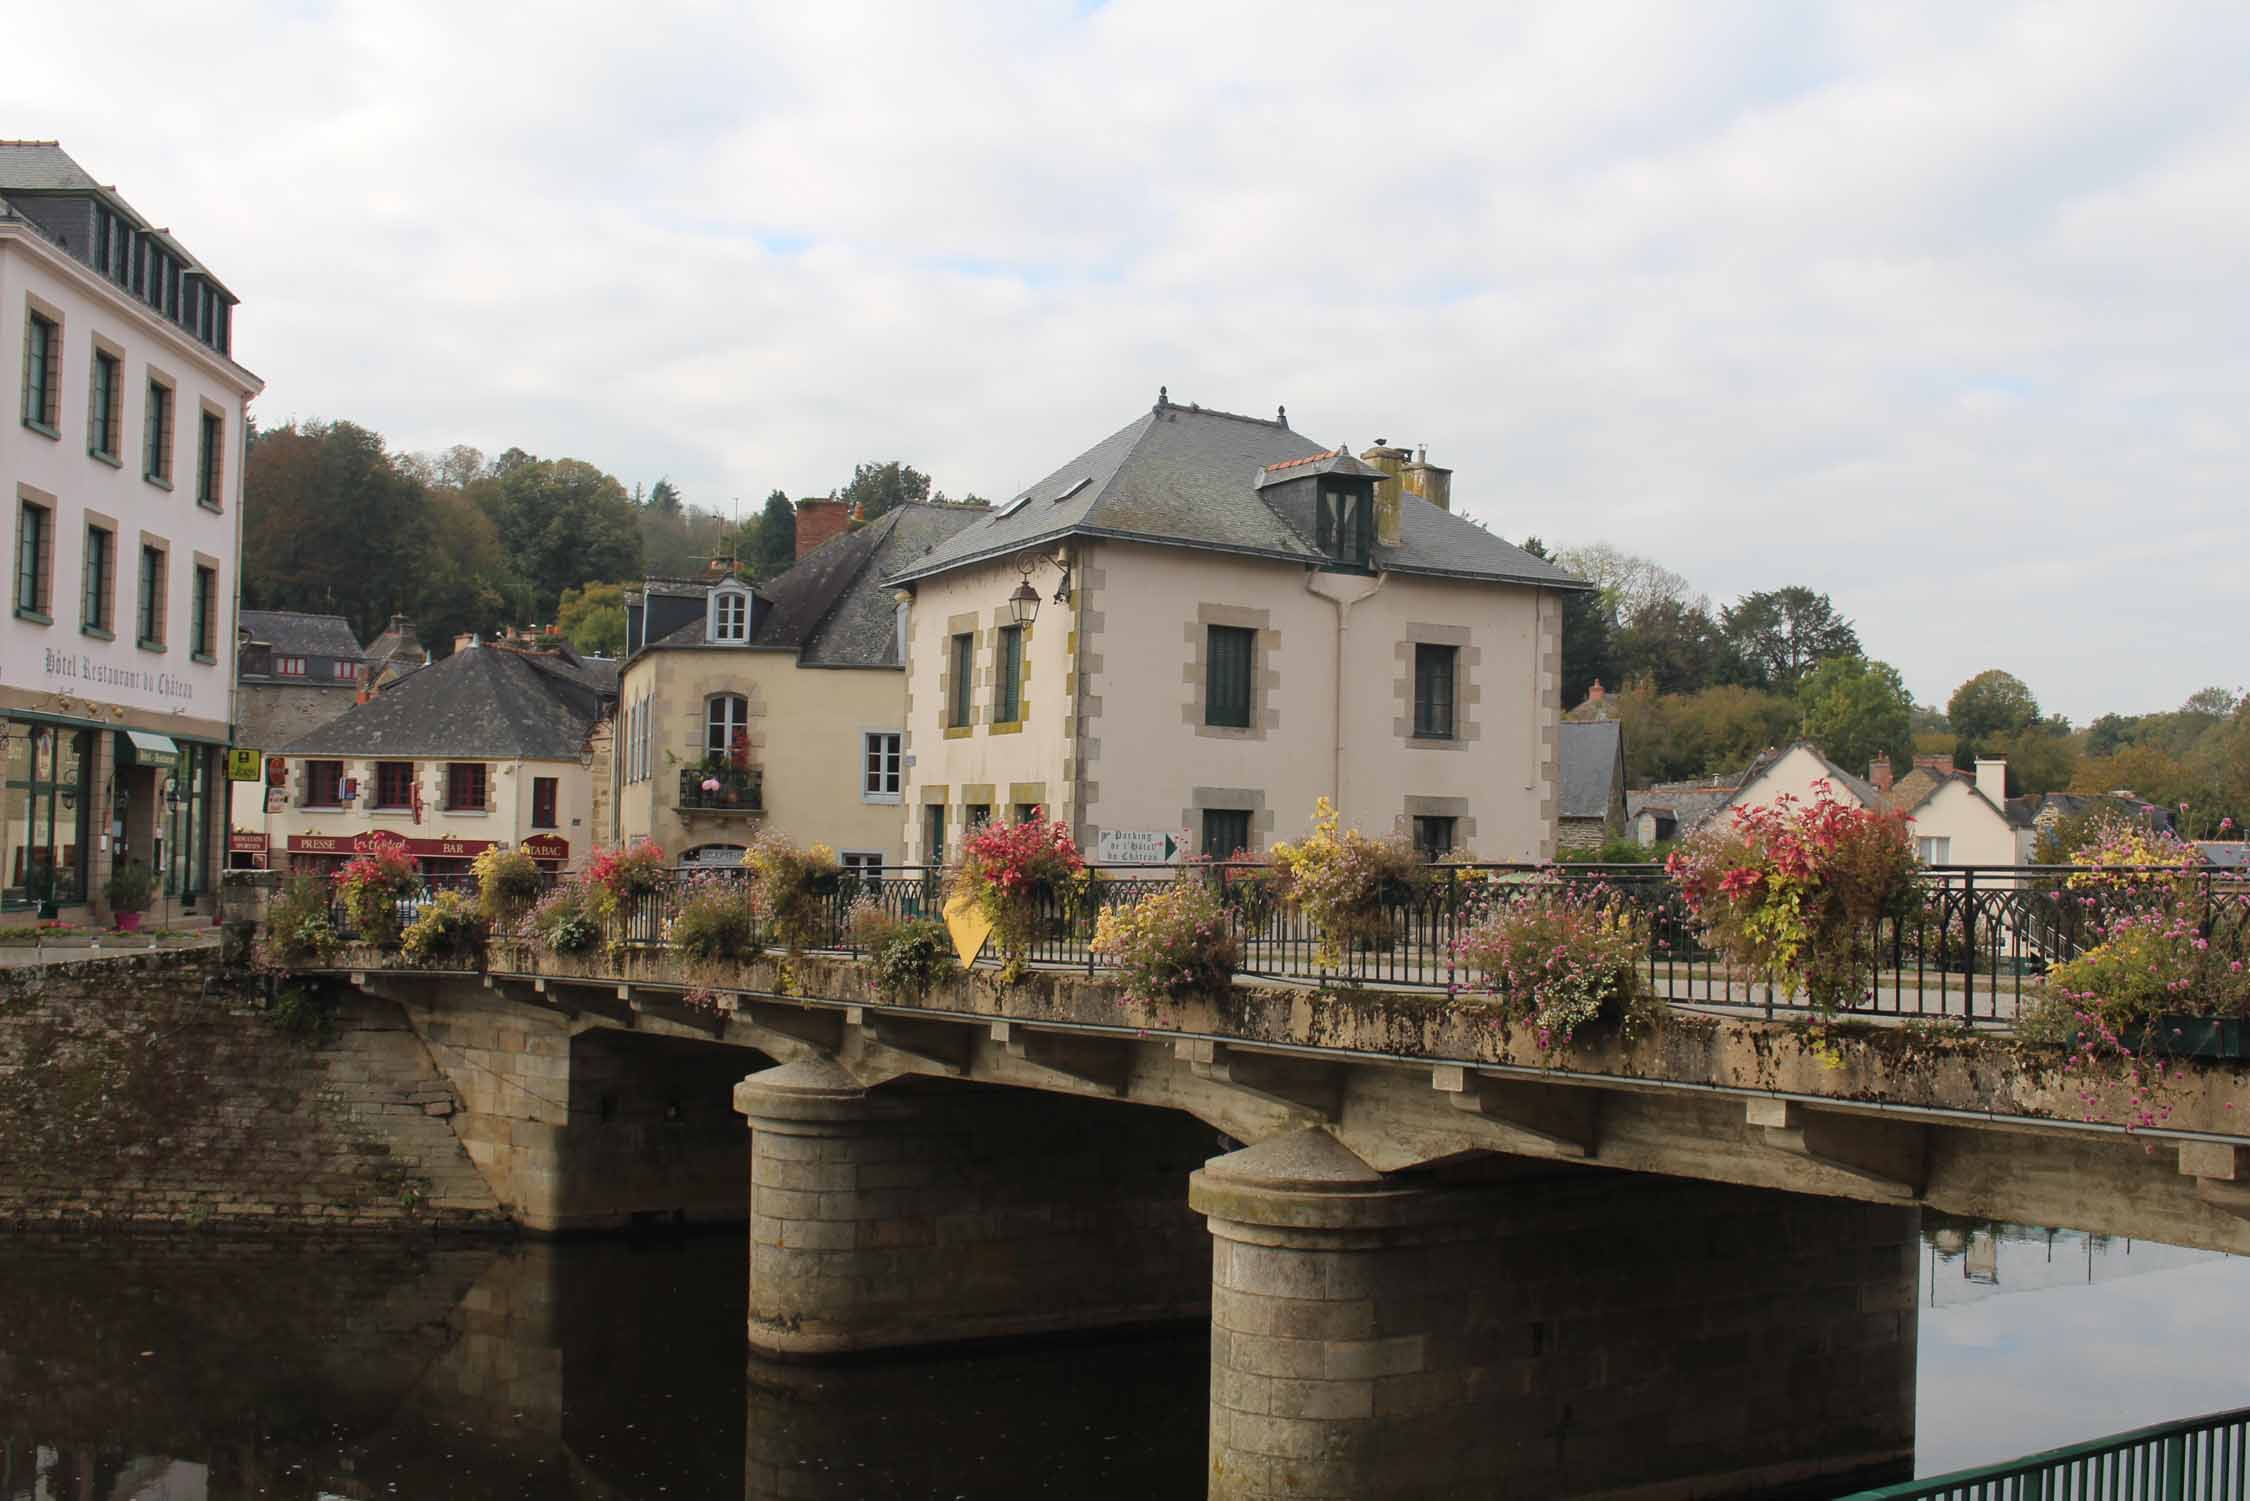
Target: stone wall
{"type": "Point", "coordinates": [144, 1090]}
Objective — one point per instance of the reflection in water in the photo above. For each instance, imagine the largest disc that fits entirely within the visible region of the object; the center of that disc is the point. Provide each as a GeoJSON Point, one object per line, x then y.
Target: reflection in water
{"type": "Point", "coordinates": [2111, 1334]}
{"type": "Point", "coordinates": [203, 1369]}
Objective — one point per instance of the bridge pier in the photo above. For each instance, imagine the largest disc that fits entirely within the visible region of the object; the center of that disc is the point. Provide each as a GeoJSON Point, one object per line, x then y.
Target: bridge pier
{"type": "Point", "coordinates": [1589, 1333]}
{"type": "Point", "coordinates": [923, 1213]}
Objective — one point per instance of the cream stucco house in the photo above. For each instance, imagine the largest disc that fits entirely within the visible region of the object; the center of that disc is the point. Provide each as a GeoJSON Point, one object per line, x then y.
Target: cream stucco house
{"type": "Point", "coordinates": [776, 707]}
{"type": "Point", "coordinates": [490, 746]}
{"type": "Point", "coordinates": [1205, 622]}
{"type": "Point", "coordinates": [1957, 819]}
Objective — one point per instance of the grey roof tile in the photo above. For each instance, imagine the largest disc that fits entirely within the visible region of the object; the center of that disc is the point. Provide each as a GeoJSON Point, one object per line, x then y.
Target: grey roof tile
{"type": "Point", "coordinates": [485, 703]}
{"type": "Point", "coordinates": [1190, 477]}
{"type": "Point", "coordinates": [834, 608]}
{"type": "Point", "coordinates": [300, 635]}
{"type": "Point", "coordinates": [1591, 756]}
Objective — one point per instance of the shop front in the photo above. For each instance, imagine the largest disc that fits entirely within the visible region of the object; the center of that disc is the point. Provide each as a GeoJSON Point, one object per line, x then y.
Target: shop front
{"type": "Point", "coordinates": [46, 772]}
{"type": "Point", "coordinates": [161, 803]}
{"type": "Point", "coordinates": [324, 854]}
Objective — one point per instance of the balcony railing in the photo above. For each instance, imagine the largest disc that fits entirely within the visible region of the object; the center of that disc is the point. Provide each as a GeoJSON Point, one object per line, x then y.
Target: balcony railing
{"type": "Point", "coordinates": [730, 789]}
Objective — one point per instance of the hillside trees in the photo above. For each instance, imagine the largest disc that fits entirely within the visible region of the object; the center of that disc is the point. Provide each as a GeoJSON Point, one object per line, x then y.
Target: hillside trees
{"type": "Point", "coordinates": [1855, 710]}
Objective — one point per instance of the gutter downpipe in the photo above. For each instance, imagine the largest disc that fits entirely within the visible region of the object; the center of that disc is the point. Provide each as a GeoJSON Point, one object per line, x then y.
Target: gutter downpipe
{"type": "Point", "coordinates": [1343, 590]}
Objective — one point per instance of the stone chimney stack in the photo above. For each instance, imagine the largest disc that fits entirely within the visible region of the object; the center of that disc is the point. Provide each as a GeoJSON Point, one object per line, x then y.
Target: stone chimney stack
{"type": "Point", "coordinates": [1418, 476]}
{"type": "Point", "coordinates": [1390, 460]}
{"type": "Point", "coordinates": [1941, 764]}
{"type": "Point", "coordinates": [819, 520]}
{"type": "Point", "coordinates": [1992, 779]}
{"type": "Point", "coordinates": [1879, 773]}
{"type": "Point", "coordinates": [464, 641]}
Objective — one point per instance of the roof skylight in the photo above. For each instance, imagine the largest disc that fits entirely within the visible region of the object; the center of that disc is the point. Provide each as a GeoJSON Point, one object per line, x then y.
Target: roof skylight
{"type": "Point", "coordinates": [1073, 489]}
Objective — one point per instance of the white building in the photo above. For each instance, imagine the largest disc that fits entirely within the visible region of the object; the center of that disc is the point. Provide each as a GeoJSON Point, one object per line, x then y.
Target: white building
{"type": "Point", "coordinates": [122, 452]}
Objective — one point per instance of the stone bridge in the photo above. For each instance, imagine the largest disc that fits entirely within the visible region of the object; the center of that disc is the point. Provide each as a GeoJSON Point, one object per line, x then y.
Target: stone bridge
{"type": "Point", "coordinates": [1436, 1261]}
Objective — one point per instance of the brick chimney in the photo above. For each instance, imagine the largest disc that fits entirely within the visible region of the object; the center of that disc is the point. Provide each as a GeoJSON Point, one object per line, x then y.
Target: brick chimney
{"type": "Point", "coordinates": [1942, 765]}
{"type": "Point", "coordinates": [819, 520]}
{"type": "Point", "coordinates": [1596, 694]}
{"type": "Point", "coordinates": [464, 641]}
{"type": "Point", "coordinates": [1879, 772]}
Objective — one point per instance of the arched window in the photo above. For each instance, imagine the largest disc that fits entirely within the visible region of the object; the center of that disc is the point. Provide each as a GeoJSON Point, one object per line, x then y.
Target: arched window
{"type": "Point", "coordinates": [725, 715]}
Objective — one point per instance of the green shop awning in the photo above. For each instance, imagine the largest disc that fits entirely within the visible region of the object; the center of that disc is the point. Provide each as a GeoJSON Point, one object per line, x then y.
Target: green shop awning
{"type": "Point", "coordinates": [158, 751]}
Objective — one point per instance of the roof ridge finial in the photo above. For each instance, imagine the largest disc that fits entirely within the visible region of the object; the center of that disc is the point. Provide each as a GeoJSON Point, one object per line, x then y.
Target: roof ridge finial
{"type": "Point", "coordinates": [1163, 397]}
{"type": "Point", "coordinates": [1281, 415]}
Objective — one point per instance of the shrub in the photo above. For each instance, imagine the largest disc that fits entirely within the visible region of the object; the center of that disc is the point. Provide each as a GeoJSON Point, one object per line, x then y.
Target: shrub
{"type": "Point", "coordinates": [1018, 874]}
{"type": "Point", "coordinates": [1794, 894]}
{"type": "Point", "coordinates": [129, 888]}
{"type": "Point", "coordinates": [564, 920]}
{"type": "Point", "coordinates": [910, 957]}
{"type": "Point", "coordinates": [796, 884]}
{"type": "Point", "coordinates": [1559, 955]}
{"type": "Point", "coordinates": [867, 922]}
{"type": "Point", "coordinates": [297, 929]}
{"type": "Point", "coordinates": [615, 879]}
{"type": "Point", "coordinates": [508, 882]}
{"type": "Point", "coordinates": [1344, 882]}
{"type": "Point", "coordinates": [2150, 964]}
{"type": "Point", "coordinates": [1170, 944]}
{"type": "Point", "coordinates": [717, 917]}
{"type": "Point", "coordinates": [372, 885]}
{"type": "Point", "coordinates": [447, 927]}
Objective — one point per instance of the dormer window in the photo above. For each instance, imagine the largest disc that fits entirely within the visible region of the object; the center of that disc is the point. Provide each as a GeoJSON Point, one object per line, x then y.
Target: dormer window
{"type": "Point", "coordinates": [1346, 523]}
{"type": "Point", "coordinates": [730, 614]}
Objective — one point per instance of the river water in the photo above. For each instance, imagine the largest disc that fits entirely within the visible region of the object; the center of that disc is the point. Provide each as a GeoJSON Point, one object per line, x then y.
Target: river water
{"type": "Point", "coordinates": [206, 1369]}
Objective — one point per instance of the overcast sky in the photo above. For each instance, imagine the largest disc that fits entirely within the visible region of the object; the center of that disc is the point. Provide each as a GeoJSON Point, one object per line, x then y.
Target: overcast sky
{"type": "Point", "coordinates": [1937, 308]}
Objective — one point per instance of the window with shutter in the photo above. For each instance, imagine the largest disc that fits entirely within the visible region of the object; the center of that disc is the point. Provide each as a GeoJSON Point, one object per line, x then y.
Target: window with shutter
{"type": "Point", "coordinates": [1007, 692]}
{"type": "Point", "coordinates": [1226, 688]}
{"type": "Point", "coordinates": [1226, 831]}
{"type": "Point", "coordinates": [964, 671]}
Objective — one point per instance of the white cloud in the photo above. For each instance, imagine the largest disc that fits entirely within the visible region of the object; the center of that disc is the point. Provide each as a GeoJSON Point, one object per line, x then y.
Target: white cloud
{"type": "Point", "coordinates": [1937, 309]}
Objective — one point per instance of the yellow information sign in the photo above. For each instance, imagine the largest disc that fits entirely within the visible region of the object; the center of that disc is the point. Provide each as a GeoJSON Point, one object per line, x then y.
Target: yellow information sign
{"type": "Point", "coordinates": [242, 766]}
{"type": "Point", "coordinates": [971, 929]}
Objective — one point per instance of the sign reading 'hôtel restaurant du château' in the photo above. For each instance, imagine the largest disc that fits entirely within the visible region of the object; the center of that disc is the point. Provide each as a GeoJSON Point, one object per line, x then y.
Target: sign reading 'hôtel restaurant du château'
{"type": "Point", "coordinates": [129, 682]}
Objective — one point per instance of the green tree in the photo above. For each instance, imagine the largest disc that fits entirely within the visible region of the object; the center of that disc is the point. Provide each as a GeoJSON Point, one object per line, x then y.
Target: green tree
{"type": "Point", "coordinates": [1991, 703]}
{"type": "Point", "coordinates": [769, 540]}
{"type": "Point", "coordinates": [665, 497]}
{"type": "Point", "coordinates": [466, 581]}
{"type": "Point", "coordinates": [1585, 638]}
{"type": "Point", "coordinates": [876, 488]}
{"type": "Point", "coordinates": [1672, 642]}
{"type": "Point", "coordinates": [1856, 710]}
{"type": "Point", "coordinates": [1776, 636]}
{"type": "Point", "coordinates": [331, 523]}
{"type": "Point", "coordinates": [562, 521]}
{"type": "Point", "coordinates": [2041, 757]}
{"type": "Point", "coordinates": [592, 619]}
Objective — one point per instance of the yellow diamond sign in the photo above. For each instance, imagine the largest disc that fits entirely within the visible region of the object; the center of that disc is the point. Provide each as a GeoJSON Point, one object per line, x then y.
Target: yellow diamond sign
{"type": "Point", "coordinates": [971, 929]}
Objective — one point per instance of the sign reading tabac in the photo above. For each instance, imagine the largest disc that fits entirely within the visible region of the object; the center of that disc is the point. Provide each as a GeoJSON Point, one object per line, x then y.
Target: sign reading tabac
{"type": "Point", "coordinates": [545, 847]}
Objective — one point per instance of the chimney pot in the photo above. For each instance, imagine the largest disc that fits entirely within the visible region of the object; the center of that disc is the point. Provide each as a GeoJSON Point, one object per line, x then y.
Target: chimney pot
{"type": "Point", "coordinates": [1594, 694]}
{"type": "Point", "coordinates": [1879, 772]}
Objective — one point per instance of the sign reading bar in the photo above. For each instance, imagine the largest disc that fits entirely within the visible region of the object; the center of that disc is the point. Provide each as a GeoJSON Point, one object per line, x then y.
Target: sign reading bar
{"type": "Point", "coordinates": [240, 843]}
{"type": "Point", "coordinates": [546, 847]}
{"type": "Point", "coordinates": [360, 844]}
{"type": "Point", "coordinates": [242, 765]}
{"type": "Point", "coordinates": [1137, 847]}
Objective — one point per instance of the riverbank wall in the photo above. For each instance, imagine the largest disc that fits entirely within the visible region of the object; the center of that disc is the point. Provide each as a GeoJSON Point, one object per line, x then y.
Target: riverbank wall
{"type": "Point", "coordinates": [149, 1091]}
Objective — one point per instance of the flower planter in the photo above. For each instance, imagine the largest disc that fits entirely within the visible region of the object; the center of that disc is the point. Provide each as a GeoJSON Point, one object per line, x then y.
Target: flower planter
{"type": "Point", "coordinates": [128, 922]}
{"type": "Point", "coordinates": [2179, 1036]}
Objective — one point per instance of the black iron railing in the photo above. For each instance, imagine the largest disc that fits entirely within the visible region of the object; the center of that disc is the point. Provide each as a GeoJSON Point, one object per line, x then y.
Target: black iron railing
{"type": "Point", "coordinates": [735, 789]}
{"type": "Point", "coordinates": [2198, 1459]}
{"type": "Point", "coordinates": [1971, 944]}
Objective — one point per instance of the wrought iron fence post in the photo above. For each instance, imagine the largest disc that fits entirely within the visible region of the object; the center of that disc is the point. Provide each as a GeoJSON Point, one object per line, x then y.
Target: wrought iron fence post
{"type": "Point", "coordinates": [2175, 1468]}
{"type": "Point", "coordinates": [1452, 935]}
{"type": "Point", "coordinates": [1969, 942]}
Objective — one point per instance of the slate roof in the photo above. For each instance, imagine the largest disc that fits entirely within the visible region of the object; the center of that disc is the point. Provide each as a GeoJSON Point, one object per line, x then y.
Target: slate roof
{"type": "Point", "coordinates": [293, 634]}
{"type": "Point", "coordinates": [41, 167]}
{"type": "Point", "coordinates": [834, 608]}
{"type": "Point", "coordinates": [1188, 476]}
{"type": "Point", "coordinates": [1690, 807]}
{"type": "Point", "coordinates": [2225, 854]}
{"type": "Point", "coordinates": [1921, 784]}
{"type": "Point", "coordinates": [1859, 787]}
{"type": "Point", "coordinates": [485, 703]}
{"type": "Point", "coordinates": [1592, 756]}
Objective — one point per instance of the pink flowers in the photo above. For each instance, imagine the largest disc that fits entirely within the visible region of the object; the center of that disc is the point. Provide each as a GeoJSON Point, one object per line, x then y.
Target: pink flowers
{"type": "Point", "coordinates": [710, 784]}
